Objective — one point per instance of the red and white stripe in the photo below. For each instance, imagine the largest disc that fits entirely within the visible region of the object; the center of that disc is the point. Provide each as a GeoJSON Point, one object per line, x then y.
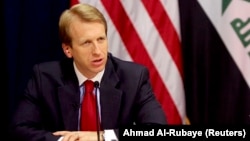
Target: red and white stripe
{"type": "Point", "coordinates": [147, 32]}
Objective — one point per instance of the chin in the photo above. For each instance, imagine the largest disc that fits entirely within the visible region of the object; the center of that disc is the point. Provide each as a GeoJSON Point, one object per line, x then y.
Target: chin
{"type": "Point", "coordinates": [99, 69]}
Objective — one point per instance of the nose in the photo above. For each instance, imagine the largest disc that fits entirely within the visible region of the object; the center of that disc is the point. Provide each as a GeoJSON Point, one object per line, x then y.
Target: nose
{"type": "Point", "coordinates": [96, 48]}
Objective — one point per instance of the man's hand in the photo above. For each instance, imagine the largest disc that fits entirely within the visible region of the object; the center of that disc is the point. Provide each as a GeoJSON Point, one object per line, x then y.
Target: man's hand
{"type": "Point", "coordinates": [79, 135]}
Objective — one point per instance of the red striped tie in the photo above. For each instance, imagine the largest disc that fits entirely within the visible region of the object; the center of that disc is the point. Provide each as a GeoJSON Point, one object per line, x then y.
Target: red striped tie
{"type": "Point", "coordinates": [88, 121]}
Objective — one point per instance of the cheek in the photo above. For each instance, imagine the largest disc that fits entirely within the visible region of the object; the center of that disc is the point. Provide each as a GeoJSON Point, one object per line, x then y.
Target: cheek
{"type": "Point", "coordinates": [82, 54]}
{"type": "Point", "coordinates": [104, 48]}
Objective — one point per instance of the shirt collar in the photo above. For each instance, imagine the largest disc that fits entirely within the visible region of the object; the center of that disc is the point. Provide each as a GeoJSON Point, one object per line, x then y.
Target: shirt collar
{"type": "Point", "coordinates": [81, 78]}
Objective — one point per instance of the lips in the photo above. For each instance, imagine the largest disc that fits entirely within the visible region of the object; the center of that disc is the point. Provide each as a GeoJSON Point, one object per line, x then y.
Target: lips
{"type": "Point", "coordinates": [97, 62]}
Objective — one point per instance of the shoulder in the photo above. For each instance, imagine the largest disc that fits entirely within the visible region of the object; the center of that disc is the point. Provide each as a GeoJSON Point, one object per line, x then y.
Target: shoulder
{"type": "Point", "coordinates": [54, 65]}
{"type": "Point", "coordinates": [47, 66]}
{"type": "Point", "coordinates": [54, 68]}
{"type": "Point", "coordinates": [127, 69]}
{"type": "Point", "coordinates": [125, 64]}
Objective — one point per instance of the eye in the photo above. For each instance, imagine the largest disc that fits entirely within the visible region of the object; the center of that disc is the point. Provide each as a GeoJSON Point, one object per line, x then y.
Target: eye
{"type": "Point", "coordinates": [86, 43]}
{"type": "Point", "coordinates": [101, 39]}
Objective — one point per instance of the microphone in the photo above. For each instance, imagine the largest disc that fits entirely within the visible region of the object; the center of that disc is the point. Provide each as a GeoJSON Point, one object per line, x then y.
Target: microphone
{"type": "Point", "coordinates": [96, 85]}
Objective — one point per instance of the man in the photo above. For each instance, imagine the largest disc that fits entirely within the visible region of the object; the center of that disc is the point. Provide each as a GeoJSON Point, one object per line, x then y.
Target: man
{"type": "Point", "coordinates": [50, 109]}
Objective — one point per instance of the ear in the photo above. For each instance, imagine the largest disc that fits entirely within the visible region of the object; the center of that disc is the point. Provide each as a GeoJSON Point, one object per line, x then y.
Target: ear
{"type": "Point", "coordinates": [67, 50]}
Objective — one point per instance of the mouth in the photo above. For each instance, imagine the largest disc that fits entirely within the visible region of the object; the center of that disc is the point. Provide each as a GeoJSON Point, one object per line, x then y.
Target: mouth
{"type": "Point", "coordinates": [97, 62]}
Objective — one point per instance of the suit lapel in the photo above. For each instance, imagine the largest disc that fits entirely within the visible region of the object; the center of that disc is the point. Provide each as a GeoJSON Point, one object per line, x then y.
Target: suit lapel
{"type": "Point", "coordinates": [110, 97]}
{"type": "Point", "coordinates": [69, 96]}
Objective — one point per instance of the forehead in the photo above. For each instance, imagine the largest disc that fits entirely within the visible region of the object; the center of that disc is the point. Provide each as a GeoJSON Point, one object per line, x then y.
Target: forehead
{"type": "Point", "coordinates": [83, 27]}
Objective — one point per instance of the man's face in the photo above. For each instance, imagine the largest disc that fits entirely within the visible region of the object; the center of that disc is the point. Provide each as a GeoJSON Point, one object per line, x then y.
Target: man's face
{"type": "Point", "coordinates": [89, 47]}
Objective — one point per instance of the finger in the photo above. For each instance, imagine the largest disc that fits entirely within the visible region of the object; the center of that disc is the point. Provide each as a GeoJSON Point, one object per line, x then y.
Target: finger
{"type": "Point", "coordinates": [60, 133]}
{"type": "Point", "coordinates": [73, 136]}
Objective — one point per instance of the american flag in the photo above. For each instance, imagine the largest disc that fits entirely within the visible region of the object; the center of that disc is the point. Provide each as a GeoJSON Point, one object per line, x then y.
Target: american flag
{"type": "Point", "coordinates": [148, 32]}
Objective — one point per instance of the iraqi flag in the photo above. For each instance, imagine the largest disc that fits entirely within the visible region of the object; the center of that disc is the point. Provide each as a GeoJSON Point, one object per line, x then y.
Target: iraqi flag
{"type": "Point", "coordinates": [148, 32]}
{"type": "Point", "coordinates": [216, 54]}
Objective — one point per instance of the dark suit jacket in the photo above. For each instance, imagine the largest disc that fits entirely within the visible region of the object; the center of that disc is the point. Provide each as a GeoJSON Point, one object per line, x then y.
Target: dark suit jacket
{"type": "Point", "coordinates": [51, 99]}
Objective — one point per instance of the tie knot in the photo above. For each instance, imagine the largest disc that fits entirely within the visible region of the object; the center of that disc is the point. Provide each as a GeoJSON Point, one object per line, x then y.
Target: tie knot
{"type": "Point", "coordinates": [89, 86]}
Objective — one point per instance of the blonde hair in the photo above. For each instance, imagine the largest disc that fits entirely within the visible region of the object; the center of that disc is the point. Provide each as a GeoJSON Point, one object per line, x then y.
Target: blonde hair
{"type": "Point", "coordinates": [84, 12]}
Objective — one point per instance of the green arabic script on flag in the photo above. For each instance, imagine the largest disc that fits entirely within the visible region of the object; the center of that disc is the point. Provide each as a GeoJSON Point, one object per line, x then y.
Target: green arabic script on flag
{"type": "Point", "coordinates": [233, 25]}
{"type": "Point", "coordinates": [242, 28]}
